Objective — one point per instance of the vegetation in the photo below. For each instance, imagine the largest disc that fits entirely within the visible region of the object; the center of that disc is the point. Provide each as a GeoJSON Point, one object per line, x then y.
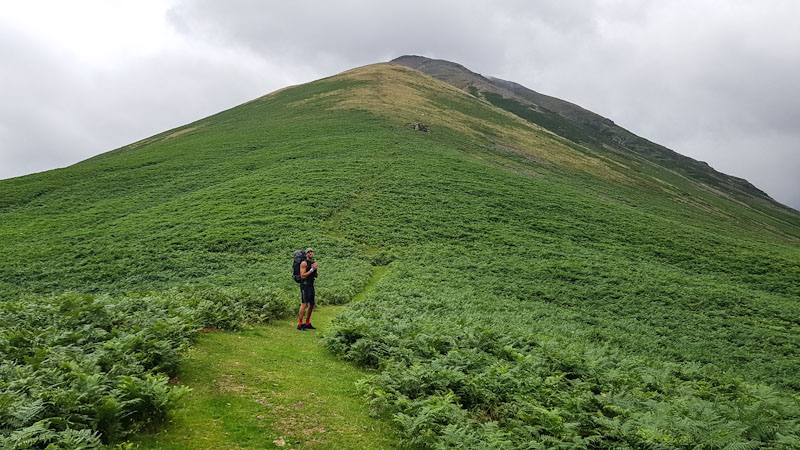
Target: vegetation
{"type": "Point", "coordinates": [269, 385]}
{"type": "Point", "coordinates": [78, 369]}
{"type": "Point", "coordinates": [592, 131]}
{"type": "Point", "coordinates": [536, 292]}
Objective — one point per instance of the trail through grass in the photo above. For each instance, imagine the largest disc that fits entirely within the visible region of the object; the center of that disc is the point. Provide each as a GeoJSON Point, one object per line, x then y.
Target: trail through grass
{"type": "Point", "coordinates": [268, 387]}
{"type": "Point", "coordinates": [377, 274]}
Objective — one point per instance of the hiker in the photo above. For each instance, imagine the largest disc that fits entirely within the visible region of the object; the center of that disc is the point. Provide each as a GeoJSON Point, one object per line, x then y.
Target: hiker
{"type": "Point", "coordinates": [308, 272]}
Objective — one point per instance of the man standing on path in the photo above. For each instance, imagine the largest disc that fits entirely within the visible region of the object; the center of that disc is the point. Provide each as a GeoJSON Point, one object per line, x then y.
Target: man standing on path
{"type": "Point", "coordinates": [308, 272]}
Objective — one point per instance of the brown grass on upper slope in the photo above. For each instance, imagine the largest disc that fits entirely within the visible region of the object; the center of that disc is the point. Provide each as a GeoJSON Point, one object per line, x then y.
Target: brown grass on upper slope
{"type": "Point", "coordinates": [397, 92]}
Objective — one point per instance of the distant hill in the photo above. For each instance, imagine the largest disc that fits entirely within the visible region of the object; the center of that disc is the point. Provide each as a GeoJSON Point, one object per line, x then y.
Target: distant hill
{"type": "Point", "coordinates": [550, 279]}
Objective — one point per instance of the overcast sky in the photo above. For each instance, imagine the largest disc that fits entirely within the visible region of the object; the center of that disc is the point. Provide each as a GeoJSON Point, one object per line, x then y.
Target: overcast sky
{"type": "Point", "coordinates": [716, 80]}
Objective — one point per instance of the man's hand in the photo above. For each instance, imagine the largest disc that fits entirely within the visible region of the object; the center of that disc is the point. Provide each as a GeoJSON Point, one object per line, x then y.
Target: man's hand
{"type": "Point", "coordinates": [314, 266]}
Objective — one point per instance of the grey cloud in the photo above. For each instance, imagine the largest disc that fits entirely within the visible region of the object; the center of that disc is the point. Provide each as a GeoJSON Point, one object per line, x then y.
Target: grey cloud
{"type": "Point", "coordinates": [768, 160]}
{"type": "Point", "coordinates": [341, 35]}
{"type": "Point", "coordinates": [33, 134]}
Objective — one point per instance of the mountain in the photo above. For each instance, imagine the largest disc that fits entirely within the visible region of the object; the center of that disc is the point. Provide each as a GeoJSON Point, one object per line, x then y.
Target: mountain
{"type": "Point", "coordinates": [587, 128]}
{"type": "Point", "coordinates": [542, 284]}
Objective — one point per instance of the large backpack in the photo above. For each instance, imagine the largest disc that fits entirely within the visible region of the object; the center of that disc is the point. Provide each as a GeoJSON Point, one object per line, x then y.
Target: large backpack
{"type": "Point", "coordinates": [299, 257]}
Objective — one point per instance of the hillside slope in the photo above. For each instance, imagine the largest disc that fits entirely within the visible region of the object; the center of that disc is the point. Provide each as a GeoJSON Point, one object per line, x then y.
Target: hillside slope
{"type": "Point", "coordinates": [538, 288]}
{"type": "Point", "coordinates": [594, 131]}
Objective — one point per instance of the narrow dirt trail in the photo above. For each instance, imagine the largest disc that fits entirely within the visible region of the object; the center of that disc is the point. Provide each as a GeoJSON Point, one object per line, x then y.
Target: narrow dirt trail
{"type": "Point", "coordinates": [268, 387]}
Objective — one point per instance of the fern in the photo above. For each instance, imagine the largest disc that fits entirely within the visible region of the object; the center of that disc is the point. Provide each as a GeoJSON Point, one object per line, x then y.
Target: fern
{"type": "Point", "coordinates": [24, 413]}
{"type": "Point", "coordinates": [79, 439]}
{"type": "Point", "coordinates": [94, 366]}
{"type": "Point", "coordinates": [37, 435]}
{"type": "Point", "coordinates": [749, 445]}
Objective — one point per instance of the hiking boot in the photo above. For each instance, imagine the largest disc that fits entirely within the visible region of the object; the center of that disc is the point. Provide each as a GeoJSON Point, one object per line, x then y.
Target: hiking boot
{"type": "Point", "coordinates": [309, 326]}
{"type": "Point", "coordinates": [301, 327]}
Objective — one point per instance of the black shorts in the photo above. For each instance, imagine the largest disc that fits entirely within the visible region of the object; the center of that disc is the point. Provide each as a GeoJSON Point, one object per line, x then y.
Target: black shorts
{"type": "Point", "coordinates": [307, 293]}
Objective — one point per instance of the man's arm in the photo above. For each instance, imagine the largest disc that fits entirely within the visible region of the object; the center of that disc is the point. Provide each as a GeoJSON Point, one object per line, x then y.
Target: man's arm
{"type": "Point", "coordinates": [303, 272]}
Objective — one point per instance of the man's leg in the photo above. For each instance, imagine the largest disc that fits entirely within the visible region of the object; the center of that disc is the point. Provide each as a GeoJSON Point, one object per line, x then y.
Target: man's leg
{"type": "Point", "coordinates": [302, 310]}
{"type": "Point", "coordinates": [310, 294]}
{"type": "Point", "coordinates": [308, 316]}
{"type": "Point", "coordinates": [302, 307]}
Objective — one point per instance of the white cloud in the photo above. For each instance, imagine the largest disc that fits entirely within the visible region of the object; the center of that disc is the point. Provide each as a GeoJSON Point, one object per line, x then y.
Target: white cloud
{"type": "Point", "coordinates": [96, 33]}
{"type": "Point", "coordinates": [65, 100]}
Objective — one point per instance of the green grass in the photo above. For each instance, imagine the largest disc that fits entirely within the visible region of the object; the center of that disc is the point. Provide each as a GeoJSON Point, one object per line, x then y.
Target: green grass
{"type": "Point", "coordinates": [377, 273]}
{"type": "Point", "coordinates": [532, 292]}
{"type": "Point", "coordinates": [270, 383]}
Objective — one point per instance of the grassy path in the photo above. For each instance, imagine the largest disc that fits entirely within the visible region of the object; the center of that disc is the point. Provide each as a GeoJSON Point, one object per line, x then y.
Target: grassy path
{"type": "Point", "coordinates": [268, 387]}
